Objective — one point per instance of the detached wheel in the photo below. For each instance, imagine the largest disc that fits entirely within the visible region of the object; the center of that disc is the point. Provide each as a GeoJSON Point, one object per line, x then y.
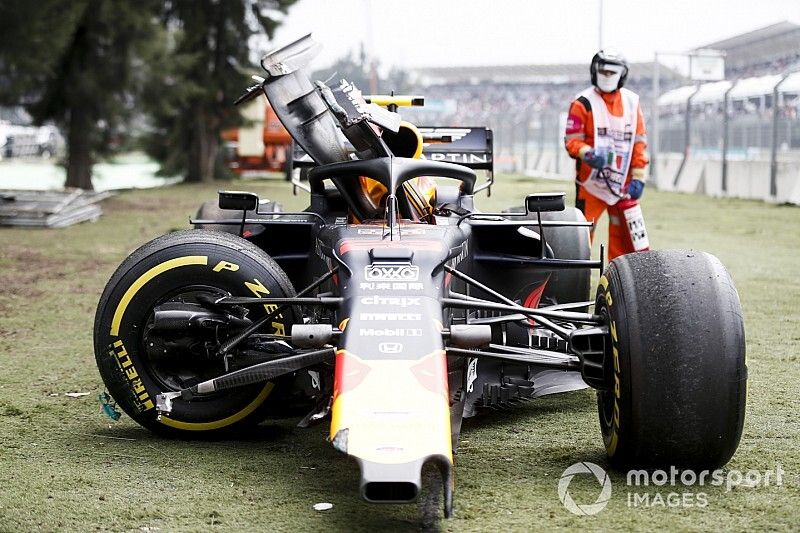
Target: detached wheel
{"type": "Point", "coordinates": [139, 357]}
{"type": "Point", "coordinates": [677, 361]}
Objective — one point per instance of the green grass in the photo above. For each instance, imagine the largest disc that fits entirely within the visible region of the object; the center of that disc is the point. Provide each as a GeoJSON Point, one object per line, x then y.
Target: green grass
{"type": "Point", "coordinates": [65, 466]}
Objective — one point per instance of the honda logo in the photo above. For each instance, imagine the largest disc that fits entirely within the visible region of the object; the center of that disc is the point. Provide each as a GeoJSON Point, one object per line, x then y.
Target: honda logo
{"type": "Point", "coordinates": [390, 347]}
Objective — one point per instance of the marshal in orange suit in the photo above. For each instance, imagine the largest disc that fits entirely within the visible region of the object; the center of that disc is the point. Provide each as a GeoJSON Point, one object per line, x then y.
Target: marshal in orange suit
{"type": "Point", "coordinates": [606, 136]}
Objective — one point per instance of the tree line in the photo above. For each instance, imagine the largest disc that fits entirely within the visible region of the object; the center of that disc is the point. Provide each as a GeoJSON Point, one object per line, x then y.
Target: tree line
{"type": "Point", "coordinates": [92, 66]}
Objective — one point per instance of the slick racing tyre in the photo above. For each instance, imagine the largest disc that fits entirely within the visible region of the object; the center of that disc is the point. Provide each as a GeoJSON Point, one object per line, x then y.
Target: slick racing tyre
{"type": "Point", "coordinates": [570, 284]}
{"type": "Point", "coordinates": [139, 357]}
{"type": "Point", "coordinates": [676, 363]}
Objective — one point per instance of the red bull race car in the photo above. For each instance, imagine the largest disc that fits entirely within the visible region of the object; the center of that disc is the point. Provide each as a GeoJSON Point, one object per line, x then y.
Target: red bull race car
{"type": "Point", "coordinates": [391, 310]}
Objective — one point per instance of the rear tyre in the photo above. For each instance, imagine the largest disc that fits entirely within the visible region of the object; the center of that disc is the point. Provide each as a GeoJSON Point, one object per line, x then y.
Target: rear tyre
{"type": "Point", "coordinates": [574, 284]}
{"type": "Point", "coordinates": [677, 361]}
{"type": "Point", "coordinates": [210, 210]}
{"type": "Point", "coordinates": [187, 267]}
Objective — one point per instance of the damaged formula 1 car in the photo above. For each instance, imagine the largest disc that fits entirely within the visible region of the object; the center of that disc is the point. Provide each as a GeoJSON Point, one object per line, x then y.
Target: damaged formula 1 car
{"type": "Point", "coordinates": [398, 314]}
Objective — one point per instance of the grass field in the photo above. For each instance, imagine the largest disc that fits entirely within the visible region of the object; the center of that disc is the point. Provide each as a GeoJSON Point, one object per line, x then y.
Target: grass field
{"type": "Point", "coordinates": [65, 466]}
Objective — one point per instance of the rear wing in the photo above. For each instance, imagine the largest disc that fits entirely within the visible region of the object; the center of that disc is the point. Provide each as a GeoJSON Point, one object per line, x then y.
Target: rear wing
{"type": "Point", "coordinates": [472, 147]}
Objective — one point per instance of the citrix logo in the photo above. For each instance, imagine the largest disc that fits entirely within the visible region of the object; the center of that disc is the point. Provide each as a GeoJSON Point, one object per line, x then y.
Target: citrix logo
{"type": "Point", "coordinates": [401, 301]}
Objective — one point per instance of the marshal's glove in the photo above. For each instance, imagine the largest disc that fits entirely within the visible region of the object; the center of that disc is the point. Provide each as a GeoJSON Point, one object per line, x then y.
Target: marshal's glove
{"type": "Point", "coordinates": [594, 160]}
{"type": "Point", "coordinates": [635, 189]}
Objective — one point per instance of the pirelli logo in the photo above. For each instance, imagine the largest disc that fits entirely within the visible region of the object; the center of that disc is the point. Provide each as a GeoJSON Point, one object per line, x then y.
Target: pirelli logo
{"type": "Point", "coordinates": [391, 272]}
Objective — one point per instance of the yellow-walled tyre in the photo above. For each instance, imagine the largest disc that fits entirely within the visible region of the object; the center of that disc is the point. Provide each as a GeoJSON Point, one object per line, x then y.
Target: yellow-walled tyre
{"type": "Point", "coordinates": [187, 267]}
{"type": "Point", "coordinates": [677, 361]}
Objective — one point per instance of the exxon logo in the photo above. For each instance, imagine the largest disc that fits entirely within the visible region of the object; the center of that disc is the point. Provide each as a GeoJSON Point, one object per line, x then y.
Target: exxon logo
{"type": "Point", "coordinates": [391, 272]}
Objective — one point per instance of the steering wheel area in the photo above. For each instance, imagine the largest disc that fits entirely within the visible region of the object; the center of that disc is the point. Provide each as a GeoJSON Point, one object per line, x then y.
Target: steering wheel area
{"type": "Point", "coordinates": [391, 172]}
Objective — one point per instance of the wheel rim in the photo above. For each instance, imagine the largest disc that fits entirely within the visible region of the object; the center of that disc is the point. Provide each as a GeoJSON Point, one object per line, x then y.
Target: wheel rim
{"type": "Point", "coordinates": [606, 397]}
{"type": "Point", "coordinates": [184, 364]}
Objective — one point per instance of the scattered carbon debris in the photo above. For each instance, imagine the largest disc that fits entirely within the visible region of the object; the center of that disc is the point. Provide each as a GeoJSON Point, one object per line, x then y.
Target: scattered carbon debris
{"type": "Point", "coordinates": [324, 506]}
{"type": "Point", "coordinates": [49, 209]}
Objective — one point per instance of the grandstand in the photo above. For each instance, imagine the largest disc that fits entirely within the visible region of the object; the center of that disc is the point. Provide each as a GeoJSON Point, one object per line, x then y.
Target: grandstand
{"type": "Point", "coordinates": [767, 50]}
{"type": "Point", "coordinates": [744, 131]}
{"type": "Point", "coordinates": [755, 64]}
{"type": "Point", "coordinates": [739, 143]}
{"type": "Point", "coordinates": [479, 93]}
{"type": "Point", "coordinates": [525, 105]}
{"type": "Point", "coordinates": [567, 73]}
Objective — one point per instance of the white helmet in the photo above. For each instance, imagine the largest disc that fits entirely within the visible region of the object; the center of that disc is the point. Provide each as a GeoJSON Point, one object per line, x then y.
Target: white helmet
{"type": "Point", "coordinates": [613, 61]}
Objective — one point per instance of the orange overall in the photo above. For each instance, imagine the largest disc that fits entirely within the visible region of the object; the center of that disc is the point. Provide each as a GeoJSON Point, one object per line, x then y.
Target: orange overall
{"type": "Point", "coordinates": [579, 139]}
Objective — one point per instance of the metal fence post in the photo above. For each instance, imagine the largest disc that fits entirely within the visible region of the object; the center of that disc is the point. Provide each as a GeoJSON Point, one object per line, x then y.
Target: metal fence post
{"type": "Point", "coordinates": [542, 128]}
{"type": "Point", "coordinates": [654, 136]}
{"type": "Point", "coordinates": [513, 126]}
{"type": "Point", "coordinates": [688, 132]}
{"type": "Point", "coordinates": [525, 125]}
{"type": "Point", "coordinates": [556, 151]}
{"type": "Point", "coordinates": [726, 118]}
{"type": "Point", "coordinates": [773, 156]}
